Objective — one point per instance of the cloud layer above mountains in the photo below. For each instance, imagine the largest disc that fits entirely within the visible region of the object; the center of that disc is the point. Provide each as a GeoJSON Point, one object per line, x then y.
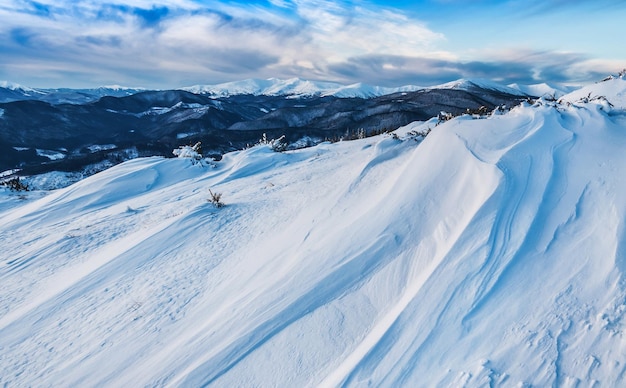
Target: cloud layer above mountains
{"type": "Point", "coordinates": [166, 43]}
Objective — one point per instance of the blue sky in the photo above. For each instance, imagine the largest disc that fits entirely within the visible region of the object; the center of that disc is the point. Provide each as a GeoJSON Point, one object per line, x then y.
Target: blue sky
{"type": "Point", "coordinates": [168, 43]}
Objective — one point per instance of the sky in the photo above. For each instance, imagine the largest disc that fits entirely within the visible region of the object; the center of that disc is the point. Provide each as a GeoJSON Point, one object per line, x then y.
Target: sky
{"type": "Point", "coordinates": [165, 44]}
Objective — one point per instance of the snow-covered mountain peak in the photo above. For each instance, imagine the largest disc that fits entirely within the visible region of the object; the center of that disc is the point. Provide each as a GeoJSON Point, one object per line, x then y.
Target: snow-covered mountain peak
{"type": "Point", "coordinates": [119, 88]}
{"type": "Point", "coordinates": [543, 89]}
{"type": "Point", "coordinates": [471, 84]}
{"type": "Point", "coordinates": [298, 87]}
{"type": "Point", "coordinates": [16, 92]}
{"type": "Point", "coordinates": [270, 87]}
{"type": "Point", "coordinates": [11, 85]}
{"type": "Point", "coordinates": [247, 86]}
{"type": "Point", "coordinates": [295, 87]}
{"type": "Point", "coordinates": [18, 88]}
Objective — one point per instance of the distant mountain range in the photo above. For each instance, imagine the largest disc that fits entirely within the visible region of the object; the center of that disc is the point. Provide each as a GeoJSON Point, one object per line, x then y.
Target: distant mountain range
{"type": "Point", "coordinates": [294, 88]}
{"type": "Point", "coordinates": [44, 130]}
{"type": "Point", "coordinates": [10, 92]}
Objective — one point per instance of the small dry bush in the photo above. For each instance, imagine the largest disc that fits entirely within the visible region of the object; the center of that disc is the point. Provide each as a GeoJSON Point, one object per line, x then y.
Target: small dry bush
{"type": "Point", "coordinates": [216, 199]}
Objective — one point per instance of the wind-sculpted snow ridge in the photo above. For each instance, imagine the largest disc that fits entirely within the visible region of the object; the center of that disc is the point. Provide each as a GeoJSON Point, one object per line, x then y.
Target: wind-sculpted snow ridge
{"type": "Point", "coordinates": [490, 253]}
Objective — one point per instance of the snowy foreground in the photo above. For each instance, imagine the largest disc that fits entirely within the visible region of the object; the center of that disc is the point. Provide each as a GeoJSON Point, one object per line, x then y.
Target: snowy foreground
{"type": "Point", "coordinates": [493, 251]}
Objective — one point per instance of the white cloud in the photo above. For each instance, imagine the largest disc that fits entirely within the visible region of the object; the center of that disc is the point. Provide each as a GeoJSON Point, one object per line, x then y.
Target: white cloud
{"type": "Point", "coordinates": [191, 40]}
{"type": "Point", "coordinates": [343, 32]}
{"type": "Point", "coordinates": [280, 3]}
{"type": "Point", "coordinates": [166, 43]}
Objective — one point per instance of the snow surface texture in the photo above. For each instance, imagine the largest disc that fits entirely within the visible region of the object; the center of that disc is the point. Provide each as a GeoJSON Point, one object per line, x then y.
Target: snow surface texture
{"type": "Point", "coordinates": [491, 253]}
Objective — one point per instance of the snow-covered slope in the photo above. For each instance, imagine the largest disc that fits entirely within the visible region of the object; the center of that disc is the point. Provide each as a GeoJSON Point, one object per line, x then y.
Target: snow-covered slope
{"type": "Point", "coordinates": [18, 88]}
{"type": "Point", "coordinates": [295, 87]}
{"type": "Point", "coordinates": [10, 91]}
{"type": "Point", "coordinates": [491, 253]}
{"type": "Point", "coordinates": [614, 90]}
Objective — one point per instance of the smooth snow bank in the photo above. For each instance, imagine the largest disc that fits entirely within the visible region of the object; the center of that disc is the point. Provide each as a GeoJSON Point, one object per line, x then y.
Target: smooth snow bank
{"type": "Point", "coordinates": [491, 253]}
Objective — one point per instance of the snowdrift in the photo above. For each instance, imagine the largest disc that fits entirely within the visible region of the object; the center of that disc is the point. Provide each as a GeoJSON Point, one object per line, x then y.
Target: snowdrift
{"type": "Point", "coordinates": [490, 253]}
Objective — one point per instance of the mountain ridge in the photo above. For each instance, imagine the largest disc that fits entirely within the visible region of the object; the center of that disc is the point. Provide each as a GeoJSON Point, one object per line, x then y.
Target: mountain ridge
{"type": "Point", "coordinates": [155, 122]}
{"type": "Point", "coordinates": [296, 87]}
{"type": "Point", "coordinates": [293, 87]}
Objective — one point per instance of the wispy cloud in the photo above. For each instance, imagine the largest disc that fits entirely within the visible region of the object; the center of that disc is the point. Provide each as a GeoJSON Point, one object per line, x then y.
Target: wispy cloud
{"type": "Point", "coordinates": [167, 43]}
{"type": "Point", "coordinates": [36, 8]}
{"type": "Point", "coordinates": [221, 41]}
{"type": "Point", "coordinates": [521, 66]}
{"type": "Point", "coordinates": [542, 7]}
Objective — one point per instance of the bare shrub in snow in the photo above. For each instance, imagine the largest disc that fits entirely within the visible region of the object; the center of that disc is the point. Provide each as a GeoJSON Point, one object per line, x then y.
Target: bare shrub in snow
{"type": "Point", "coordinates": [418, 135]}
{"type": "Point", "coordinates": [499, 110]}
{"type": "Point", "coordinates": [194, 153]}
{"type": "Point", "coordinates": [216, 199]}
{"type": "Point", "coordinates": [278, 145]}
{"type": "Point", "coordinates": [357, 134]}
{"type": "Point", "coordinates": [477, 113]}
{"type": "Point", "coordinates": [550, 97]}
{"type": "Point", "coordinates": [442, 117]}
{"type": "Point", "coordinates": [380, 131]}
{"type": "Point", "coordinates": [601, 100]}
{"type": "Point", "coordinates": [304, 142]}
{"type": "Point", "coordinates": [14, 184]}
{"type": "Point", "coordinates": [621, 74]}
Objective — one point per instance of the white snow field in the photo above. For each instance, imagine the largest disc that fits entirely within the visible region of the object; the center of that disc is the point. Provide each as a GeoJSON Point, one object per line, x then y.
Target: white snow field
{"type": "Point", "coordinates": [491, 253]}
